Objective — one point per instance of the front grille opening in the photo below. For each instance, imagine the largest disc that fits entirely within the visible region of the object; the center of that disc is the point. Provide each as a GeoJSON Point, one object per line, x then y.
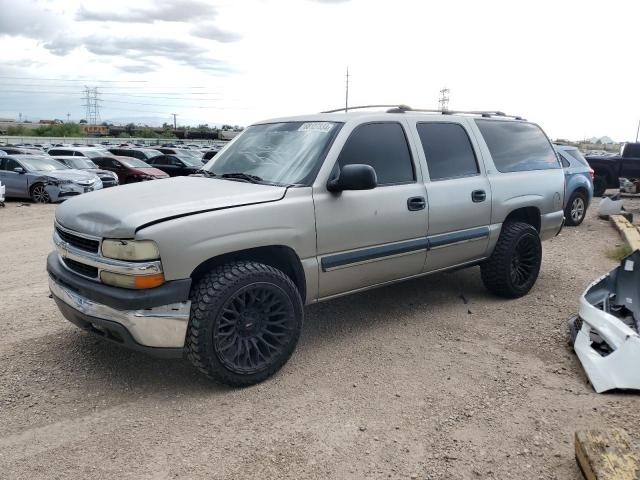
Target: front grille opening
{"type": "Point", "coordinates": [79, 242]}
{"type": "Point", "coordinates": [81, 268]}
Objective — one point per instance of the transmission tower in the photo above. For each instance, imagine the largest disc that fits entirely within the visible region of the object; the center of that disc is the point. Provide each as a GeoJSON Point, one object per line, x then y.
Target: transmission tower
{"type": "Point", "coordinates": [92, 105]}
{"type": "Point", "coordinates": [443, 101]}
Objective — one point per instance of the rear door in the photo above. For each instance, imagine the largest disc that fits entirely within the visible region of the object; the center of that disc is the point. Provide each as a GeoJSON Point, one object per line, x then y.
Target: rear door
{"type": "Point", "coordinates": [458, 192]}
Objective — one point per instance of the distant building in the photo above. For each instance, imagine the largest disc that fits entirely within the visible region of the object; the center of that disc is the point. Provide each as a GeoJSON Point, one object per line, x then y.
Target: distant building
{"type": "Point", "coordinates": [97, 130]}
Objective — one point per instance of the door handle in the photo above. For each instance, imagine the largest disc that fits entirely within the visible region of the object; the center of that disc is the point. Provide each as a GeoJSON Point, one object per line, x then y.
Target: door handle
{"type": "Point", "coordinates": [478, 196]}
{"type": "Point", "coordinates": [416, 203]}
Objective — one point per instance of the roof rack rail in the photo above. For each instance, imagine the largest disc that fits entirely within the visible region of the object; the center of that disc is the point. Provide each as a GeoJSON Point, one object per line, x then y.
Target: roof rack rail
{"type": "Point", "coordinates": [405, 108]}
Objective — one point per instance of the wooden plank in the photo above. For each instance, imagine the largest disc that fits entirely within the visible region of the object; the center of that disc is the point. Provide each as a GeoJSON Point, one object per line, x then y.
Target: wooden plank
{"type": "Point", "coordinates": [629, 232]}
{"type": "Point", "coordinates": [607, 455]}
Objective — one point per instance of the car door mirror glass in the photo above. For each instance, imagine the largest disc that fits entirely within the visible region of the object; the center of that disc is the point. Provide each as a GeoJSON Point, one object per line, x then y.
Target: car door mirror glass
{"type": "Point", "coordinates": [354, 177]}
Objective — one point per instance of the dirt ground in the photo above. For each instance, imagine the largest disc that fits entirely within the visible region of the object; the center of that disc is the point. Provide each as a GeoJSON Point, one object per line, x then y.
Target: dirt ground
{"type": "Point", "coordinates": [406, 381]}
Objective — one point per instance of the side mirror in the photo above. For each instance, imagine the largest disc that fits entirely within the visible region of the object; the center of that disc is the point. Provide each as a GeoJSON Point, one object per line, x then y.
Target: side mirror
{"type": "Point", "coordinates": [354, 177]}
{"type": "Point", "coordinates": [19, 170]}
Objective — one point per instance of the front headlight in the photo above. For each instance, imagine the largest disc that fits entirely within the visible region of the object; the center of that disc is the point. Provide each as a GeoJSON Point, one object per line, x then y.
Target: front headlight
{"type": "Point", "coordinates": [57, 181]}
{"type": "Point", "coordinates": [135, 250]}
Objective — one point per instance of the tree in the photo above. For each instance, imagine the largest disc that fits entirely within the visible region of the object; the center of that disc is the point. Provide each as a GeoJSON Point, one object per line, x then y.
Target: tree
{"type": "Point", "coordinates": [83, 121]}
{"type": "Point", "coordinates": [17, 130]}
{"type": "Point", "coordinates": [59, 130]}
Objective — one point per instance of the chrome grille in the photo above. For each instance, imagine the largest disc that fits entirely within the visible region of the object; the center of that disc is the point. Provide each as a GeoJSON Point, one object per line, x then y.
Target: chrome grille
{"type": "Point", "coordinates": [82, 243]}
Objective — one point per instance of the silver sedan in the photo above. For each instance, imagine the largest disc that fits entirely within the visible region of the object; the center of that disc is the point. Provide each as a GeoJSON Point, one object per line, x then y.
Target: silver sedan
{"type": "Point", "coordinates": [44, 179]}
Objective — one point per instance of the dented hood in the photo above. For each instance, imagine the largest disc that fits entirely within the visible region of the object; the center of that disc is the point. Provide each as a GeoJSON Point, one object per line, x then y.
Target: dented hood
{"type": "Point", "coordinates": [119, 212]}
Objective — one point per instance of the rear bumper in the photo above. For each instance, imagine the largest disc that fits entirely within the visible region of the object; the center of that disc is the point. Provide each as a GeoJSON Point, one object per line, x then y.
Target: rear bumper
{"type": "Point", "coordinates": [551, 224]}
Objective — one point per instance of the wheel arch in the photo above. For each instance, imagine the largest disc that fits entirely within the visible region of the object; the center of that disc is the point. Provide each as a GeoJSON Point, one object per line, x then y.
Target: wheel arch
{"type": "Point", "coordinates": [530, 215]}
{"type": "Point", "coordinates": [282, 257]}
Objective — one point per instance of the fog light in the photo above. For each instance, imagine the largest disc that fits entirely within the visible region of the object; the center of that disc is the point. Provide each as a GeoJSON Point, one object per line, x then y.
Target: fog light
{"type": "Point", "coordinates": [132, 281]}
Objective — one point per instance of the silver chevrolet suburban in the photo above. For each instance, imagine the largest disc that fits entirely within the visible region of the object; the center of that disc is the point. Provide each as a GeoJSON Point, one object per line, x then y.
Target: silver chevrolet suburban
{"type": "Point", "coordinates": [218, 266]}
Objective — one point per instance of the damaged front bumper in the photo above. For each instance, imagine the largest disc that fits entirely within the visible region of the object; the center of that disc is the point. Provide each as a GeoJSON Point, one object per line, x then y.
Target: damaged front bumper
{"type": "Point", "coordinates": [605, 332]}
{"type": "Point", "coordinates": [59, 192]}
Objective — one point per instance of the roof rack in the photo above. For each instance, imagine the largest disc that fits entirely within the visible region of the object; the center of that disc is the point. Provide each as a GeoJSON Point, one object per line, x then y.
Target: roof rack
{"type": "Point", "coordinates": [406, 108]}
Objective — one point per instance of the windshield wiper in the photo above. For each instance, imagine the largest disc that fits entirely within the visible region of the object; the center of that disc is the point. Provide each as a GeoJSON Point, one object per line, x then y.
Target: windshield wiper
{"type": "Point", "coordinates": [206, 173]}
{"type": "Point", "coordinates": [247, 177]}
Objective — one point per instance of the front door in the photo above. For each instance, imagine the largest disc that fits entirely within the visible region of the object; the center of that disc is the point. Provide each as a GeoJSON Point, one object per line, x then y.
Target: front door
{"type": "Point", "coordinates": [459, 195]}
{"type": "Point", "coordinates": [16, 183]}
{"type": "Point", "coordinates": [368, 237]}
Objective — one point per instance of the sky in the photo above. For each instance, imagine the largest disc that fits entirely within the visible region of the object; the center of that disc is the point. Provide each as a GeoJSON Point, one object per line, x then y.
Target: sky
{"type": "Point", "coordinates": [571, 66]}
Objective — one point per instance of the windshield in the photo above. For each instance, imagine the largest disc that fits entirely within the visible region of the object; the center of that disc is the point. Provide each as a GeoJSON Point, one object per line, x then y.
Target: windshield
{"type": "Point", "coordinates": [150, 153]}
{"type": "Point", "coordinates": [190, 160]}
{"type": "Point", "coordinates": [96, 153]}
{"type": "Point", "coordinates": [79, 162]}
{"type": "Point", "coordinates": [134, 162]}
{"type": "Point", "coordinates": [42, 164]}
{"type": "Point", "coordinates": [282, 153]}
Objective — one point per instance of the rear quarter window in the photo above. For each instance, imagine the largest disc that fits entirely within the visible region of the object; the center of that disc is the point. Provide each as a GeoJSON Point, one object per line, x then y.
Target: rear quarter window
{"type": "Point", "coordinates": [517, 146]}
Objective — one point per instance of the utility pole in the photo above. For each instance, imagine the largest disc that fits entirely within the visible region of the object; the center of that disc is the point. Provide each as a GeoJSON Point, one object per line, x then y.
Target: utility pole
{"type": "Point", "coordinates": [175, 124]}
{"type": "Point", "coordinates": [637, 132]}
{"type": "Point", "coordinates": [443, 101]}
{"type": "Point", "coordinates": [346, 96]}
{"type": "Point", "coordinates": [68, 117]}
{"type": "Point", "coordinates": [20, 117]}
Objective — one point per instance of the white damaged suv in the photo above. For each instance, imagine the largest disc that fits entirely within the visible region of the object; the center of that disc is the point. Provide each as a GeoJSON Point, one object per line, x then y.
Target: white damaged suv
{"type": "Point", "coordinates": [299, 210]}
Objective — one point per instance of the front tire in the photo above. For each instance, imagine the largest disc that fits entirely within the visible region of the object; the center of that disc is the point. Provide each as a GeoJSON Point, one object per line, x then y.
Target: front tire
{"type": "Point", "coordinates": [245, 322]}
{"type": "Point", "coordinates": [514, 265]}
{"type": "Point", "coordinates": [576, 209]}
{"type": "Point", "coordinates": [39, 194]}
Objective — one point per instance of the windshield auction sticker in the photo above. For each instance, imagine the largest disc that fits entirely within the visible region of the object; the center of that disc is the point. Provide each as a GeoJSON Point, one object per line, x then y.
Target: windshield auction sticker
{"type": "Point", "coordinates": [324, 127]}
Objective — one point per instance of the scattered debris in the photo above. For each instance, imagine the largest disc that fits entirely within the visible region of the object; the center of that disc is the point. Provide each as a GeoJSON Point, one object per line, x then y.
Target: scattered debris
{"type": "Point", "coordinates": [610, 206]}
{"type": "Point", "coordinates": [629, 186]}
{"type": "Point", "coordinates": [607, 455]}
{"type": "Point", "coordinates": [605, 333]}
{"type": "Point", "coordinates": [629, 232]}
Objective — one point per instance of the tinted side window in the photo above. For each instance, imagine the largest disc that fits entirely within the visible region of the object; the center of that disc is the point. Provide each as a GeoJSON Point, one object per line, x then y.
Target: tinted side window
{"type": "Point", "coordinates": [563, 160]}
{"type": "Point", "coordinates": [448, 150]}
{"type": "Point", "coordinates": [517, 146]}
{"type": "Point", "coordinates": [384, 147]}
{"type": "Point", "coordinates": [10, 164]}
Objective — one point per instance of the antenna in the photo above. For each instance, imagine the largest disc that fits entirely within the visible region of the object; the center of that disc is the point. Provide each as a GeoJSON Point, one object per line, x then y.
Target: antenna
{"type": "Point", "coordinates": [443, 101]}
{"type": "Point", "coordinates": [346, 96]}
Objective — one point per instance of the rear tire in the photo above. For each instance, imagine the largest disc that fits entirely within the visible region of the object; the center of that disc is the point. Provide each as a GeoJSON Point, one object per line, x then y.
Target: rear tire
{"type": "Point", "coordinates": [576, 209]}
{"type": "Point", "coordinates": [599, 186]}
{"type": "Point", "coordinates": [514, 265]}
{"type": "Point", "coordinates": [246, 318]}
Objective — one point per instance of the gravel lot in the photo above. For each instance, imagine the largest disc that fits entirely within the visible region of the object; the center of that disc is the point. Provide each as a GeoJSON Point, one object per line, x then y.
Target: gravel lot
{"type": "Point", "coordinates": [406, 381]}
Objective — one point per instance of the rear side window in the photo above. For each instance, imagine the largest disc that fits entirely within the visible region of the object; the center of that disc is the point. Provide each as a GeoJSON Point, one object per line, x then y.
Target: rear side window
{"type": "Point", "coordinates": [517, 146]}
{"type": "Point", "coordinates": [631, 150]}
{"type": "Point", "coordinates": [384, 147]}
{"type": "Point", "coordinates": [578, 156]}
{"type": "Point", "coordinates": [448, 150]}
